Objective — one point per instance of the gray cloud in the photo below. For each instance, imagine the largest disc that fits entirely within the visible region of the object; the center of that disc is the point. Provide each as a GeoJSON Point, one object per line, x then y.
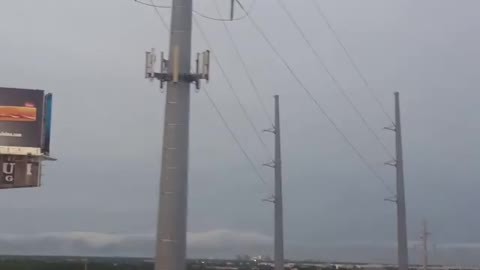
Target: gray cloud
{"type": "Point", "coordinates": [108, 124]}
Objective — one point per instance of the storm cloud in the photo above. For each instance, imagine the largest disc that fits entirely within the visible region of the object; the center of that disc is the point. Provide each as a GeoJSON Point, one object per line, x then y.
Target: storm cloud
{"type": "Point", "coordinates": [107, 128]}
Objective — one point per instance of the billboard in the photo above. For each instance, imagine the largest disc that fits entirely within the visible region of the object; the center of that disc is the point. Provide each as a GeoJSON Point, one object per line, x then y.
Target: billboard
{"type": "Point", "coordinates": [47, 124]}
{"type": "Point", "coordinates": [21, 117]}
{"type": "Point", "coordinates": [19, 171]}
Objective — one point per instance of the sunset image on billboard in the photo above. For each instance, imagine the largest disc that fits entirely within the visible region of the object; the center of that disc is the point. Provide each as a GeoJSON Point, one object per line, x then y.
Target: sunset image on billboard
{"type": "Point", "coordinates": [27, 113]}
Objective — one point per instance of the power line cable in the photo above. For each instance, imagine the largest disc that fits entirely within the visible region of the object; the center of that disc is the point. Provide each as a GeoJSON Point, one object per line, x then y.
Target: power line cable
{"type": "Point", "coordinates": [244, 65]}
{"type": "Point", "coordinates": [318, 105]}
{"type": "Point", "coordinates": [161, 17]}
{"type": "Point", "coordinates": [234, 137]}
{"type": "Point", "coordinates": [262, 33]}
{"type": "Point", "coordinates": [204, 15]}
{"type": "Point", "coordinates": [164, 23]}
{"type": "Point", "coordinates": [245, 10]}
{"type": "Point", "coordinates": [231, 88]}
{"type": "Point", "coordinates": [350, 58]}
{"type": "Point", "coordinates": [219, 19]}
{"type": "Point", "coordinates": [332, 77]}
{"type": "Point", "coordinates": [151, 4]}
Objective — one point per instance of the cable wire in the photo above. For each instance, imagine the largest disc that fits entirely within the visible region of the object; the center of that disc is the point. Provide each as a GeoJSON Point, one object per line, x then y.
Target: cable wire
{"type": "Point", "coordinates": [319, 106]}
{"type": "Point", "coordinates": [237, 141]}
{"type": "Point", "coordinates": [161, 17]}
{"type": "Point", "coordinates": [246, 12]}
{"type": "Point", "coordinates": [204, 15]}
{"type": "Point", "coordinates": [244, 65]}
{"type": "Point", "coordinates": [291, 71]}
{"type": "Point", "coordinates": [332, 77]}
{"type": "Point", "coordinates": [350, 58]}
{"type": "Point", "coordinates": [152, 4]}
{"type": "Point", "coordinates": [231, 88]}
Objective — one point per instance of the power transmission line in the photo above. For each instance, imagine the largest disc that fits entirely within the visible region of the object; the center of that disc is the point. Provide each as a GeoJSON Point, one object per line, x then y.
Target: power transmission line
{"type": "Point", "coordinates": [161, 17]}
{"type": "Point", "coordinates": [152, 4]}
{"type": "Point", "coordinates": [318, 105]}
{"type": "Point", "coordinates": [223, 19]}
{"type": "Point", "coordinates": [164, 23]}
{"type": "Point", "coordinates": [244, 65]}
{"type": "Point", "coordinates": [234, 137]}
{"type": "Point", "coordinates": [291, 71]}
{"type": "Point", "coordinates": [247, 11]}
{"type": "Point", "coordinates": [231, 88]}
{"type": "Point", "coordinates": [330, 74]}
{"type": "Point", "coordinates": [350, 58]}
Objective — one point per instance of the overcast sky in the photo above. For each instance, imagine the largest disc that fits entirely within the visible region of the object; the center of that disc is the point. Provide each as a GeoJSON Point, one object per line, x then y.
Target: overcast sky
{"type": "Point", "coordinates": [107, 128]}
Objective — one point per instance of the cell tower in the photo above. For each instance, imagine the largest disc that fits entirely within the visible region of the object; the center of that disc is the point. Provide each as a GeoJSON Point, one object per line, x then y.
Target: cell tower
{"type": "Point", "coordinates": [175, 72]}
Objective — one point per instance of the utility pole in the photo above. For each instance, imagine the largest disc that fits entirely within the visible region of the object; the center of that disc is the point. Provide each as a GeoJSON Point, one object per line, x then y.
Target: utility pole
{"type": "Point", "coordinates": [172, 211]}
{"type": "Point", "coordinates": [400, 197]}
{"type": "Point", "coordinates": [424, 237]}
{"type": "Point", "coordinates": [277, 199]}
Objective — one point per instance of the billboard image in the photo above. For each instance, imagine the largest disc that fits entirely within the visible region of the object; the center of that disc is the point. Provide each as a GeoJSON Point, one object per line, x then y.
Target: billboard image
{"type": "Point", "coordinates": [18, 113]}
{"type": "Point", "coordinates": [21, 117]}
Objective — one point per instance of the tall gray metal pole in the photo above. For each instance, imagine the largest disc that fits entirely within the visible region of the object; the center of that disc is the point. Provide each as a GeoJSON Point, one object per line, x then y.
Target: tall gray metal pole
{"type": "Point", "coordinates": [401, 209]}
{"type": "Point", "coordinates": [172, 213]}
{"type": "Point", "coordinates": [278, 198]}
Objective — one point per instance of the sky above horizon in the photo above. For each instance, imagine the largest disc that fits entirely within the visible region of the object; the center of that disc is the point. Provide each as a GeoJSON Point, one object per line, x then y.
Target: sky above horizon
{"type": "Point", "coordinates": [107, 127]}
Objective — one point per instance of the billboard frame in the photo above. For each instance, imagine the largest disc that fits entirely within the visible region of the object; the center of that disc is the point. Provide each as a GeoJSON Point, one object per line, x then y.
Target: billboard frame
{"type": "Point", "coordinates": [34, 146]}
